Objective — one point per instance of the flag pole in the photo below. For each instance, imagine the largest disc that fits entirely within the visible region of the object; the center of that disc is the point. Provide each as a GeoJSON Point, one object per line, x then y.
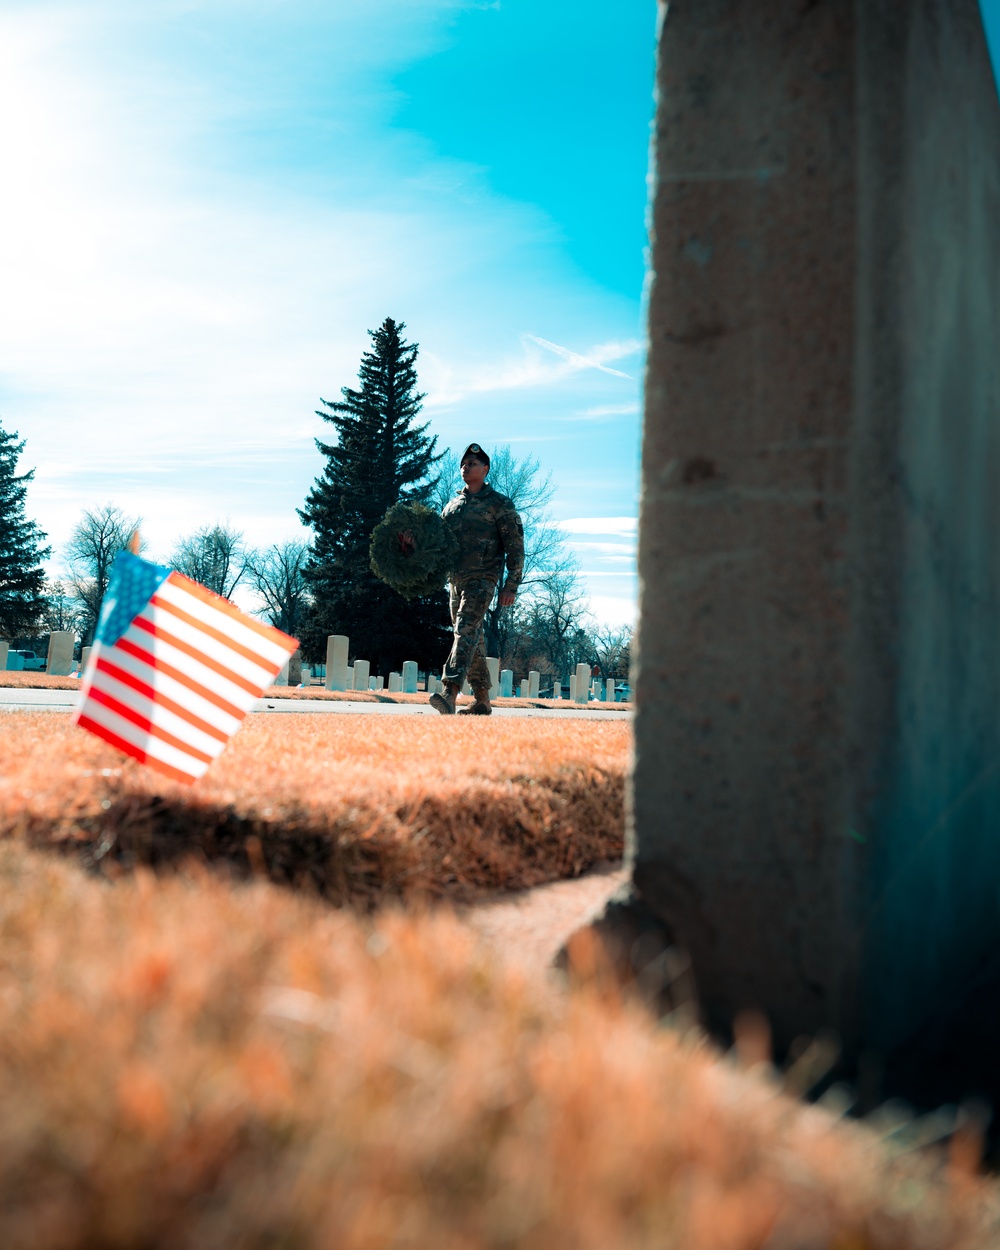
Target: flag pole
{"type": "Point", "coordinates": [135, 542]}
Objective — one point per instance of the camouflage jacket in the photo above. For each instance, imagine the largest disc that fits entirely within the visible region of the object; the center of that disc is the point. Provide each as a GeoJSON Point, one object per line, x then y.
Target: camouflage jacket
{"type": "Point", "coordinates": [488, 530]}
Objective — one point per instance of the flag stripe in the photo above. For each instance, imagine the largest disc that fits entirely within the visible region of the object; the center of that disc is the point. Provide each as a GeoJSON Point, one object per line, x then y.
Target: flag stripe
{"type": "Point", "coordinates": [257, 658]}
{"type": "Point", "coordinates": [205, 678]}
{"type": "Point", "coordinates": [97, 727]}
{"type": "Point", "coordinates": [102, 731]}
{"type": "Point", "coordinates": [271, 644]}
{"type": "Point", "coordinates": [148, 726]}
{"type": "Point", "coordinates": [158, 632]}
{"type": "Point", "coordinates": [256, 671]}
{"type": "Point", "coordinates": [154, 711]}
{"type": "Point", "coordinates": [161, 698]}
{"type": "Point", "coordinates": [163, 666]}
{"type": "Point", "coordinates": [208, 703]}
{"type": "Point", "coordinates": [219, 604]}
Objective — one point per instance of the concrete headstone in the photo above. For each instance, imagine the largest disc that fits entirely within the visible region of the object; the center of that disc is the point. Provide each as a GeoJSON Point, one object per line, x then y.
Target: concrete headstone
{"type": "Point", "coordinates": [533, 679]}
{"type": "Point", "coordinates": [506, 683]}
{"type": "Point", "coordinates": [4, 647]}
{"type": "Point", "coordinates": [582, 683]}
{"type": "Point", "coordinates": [337, 646]}
{"type": "Point", "coordinates": [816, 787]}
{"type": "Point", "coordinates": [60, 656]}
{"type": "Point", "coordinates": [493, 664]}
{"type": "Point", "coordinates": [361, 674]}
{"type": "Point", "coordinates": [410, 677]}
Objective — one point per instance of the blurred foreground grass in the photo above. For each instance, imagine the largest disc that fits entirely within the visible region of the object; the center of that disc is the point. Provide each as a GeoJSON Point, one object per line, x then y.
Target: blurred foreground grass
{"type": "Point", "coordinates": [191, 1063]}
{"type": "Point", "coordinates": [358, 808]}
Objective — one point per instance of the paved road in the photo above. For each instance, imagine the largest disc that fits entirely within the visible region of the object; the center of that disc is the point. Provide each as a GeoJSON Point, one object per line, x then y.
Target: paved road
{"type": "Point", "coordinates": [14, 699]}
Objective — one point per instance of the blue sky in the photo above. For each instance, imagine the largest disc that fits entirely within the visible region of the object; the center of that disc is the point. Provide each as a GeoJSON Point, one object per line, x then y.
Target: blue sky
{"type": "Point", "coordinates": [207, 204]}
{"type": "Point", "coordinates": [210, 203]}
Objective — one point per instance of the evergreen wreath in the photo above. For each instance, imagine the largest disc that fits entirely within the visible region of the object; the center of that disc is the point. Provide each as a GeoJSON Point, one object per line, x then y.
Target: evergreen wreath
{"type": "Point", "coordinates": [423, 569]}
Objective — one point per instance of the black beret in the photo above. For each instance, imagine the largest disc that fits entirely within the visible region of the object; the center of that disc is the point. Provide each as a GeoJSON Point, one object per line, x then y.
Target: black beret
{"type": "Point", "coordinates": [474, 449]}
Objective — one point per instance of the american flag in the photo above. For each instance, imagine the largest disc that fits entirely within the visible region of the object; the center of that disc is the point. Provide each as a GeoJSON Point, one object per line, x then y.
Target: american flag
{"type": "Point", "coordinates": [174, 668]}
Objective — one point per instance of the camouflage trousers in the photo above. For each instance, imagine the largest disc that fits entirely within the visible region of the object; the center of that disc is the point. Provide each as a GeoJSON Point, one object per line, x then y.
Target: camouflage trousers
{"type": "Point", "coordinates": [470, 598]}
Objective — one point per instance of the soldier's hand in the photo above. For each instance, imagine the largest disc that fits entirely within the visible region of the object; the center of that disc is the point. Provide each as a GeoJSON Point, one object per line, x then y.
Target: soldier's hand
{"type": "Point", "coordinates": [507, 598]}
{"type": "Point", "coordinates": [407, 543]}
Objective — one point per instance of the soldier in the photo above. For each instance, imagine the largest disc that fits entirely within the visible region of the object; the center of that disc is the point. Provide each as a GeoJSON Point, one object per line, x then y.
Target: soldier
{"type": "Point", "coordinates": [489, 532]}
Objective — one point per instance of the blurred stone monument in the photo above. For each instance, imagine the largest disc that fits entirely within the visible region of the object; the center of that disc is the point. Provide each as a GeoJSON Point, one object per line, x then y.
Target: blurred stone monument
{"type": "Point", "coordinates": [59, 662]}
{"type": "Point", "coordinates": [815, 810]}
{"type": "Point", "coordinates": [337, 646]}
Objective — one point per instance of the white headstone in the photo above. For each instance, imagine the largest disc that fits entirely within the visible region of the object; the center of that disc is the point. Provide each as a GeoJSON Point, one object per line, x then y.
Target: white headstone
{"type": "Point", "coordinates": [395, 683]}
{"type": "Point", "coordinates": [609, 693]}
{"type": "Point", "coordinates": [84, 658]}
{"type": "Point", "coordinates": [572, 687]}
{"type": "Point", "coordinates": [506, 683]}
{"type": "Point", "coordinates": [582, 683]}
{"type": "Point", "coordinates": [282, 676]}
{"type": "Point", "coordinates": [533, 678]}
{"type": "Point", "coordinates": [307, 674]}
{"type": "Point", "coordinates": [336, 662]}
{"type": "Point", "coordinates": [493, 664]}
{"type": "Point", "coordinates": [524, 687]}
{"type": "Point", "coordinates": [4, 648]}
{"type": "Point", "coordinates": [361, 674]}
{"type": "Point", "coordinates": [557, 690]}
{"type": "Point", "coordinates": [410, 677]}
{"type": "Point", "coordinates": [60, 658]}
{"type": "Point", "coordinates": [379, 683]}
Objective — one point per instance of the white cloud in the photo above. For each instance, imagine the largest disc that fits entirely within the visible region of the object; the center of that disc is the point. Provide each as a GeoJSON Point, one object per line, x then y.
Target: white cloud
{"type": "Point", "coordinates": [449, 384]}
{"type": "Point", "coordinates": [614, 609]}
{"type": "Point", "coordinates": [624, 525]}
{"type": "Point", "coordinates": [602, 411]}
{"type": "Point", "coordinates": [595, 358]}
{"type": "Point", "coordinates": [606, 551]}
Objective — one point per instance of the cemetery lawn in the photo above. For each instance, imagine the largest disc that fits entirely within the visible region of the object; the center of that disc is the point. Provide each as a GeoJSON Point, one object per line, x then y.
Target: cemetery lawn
{"type": "Point", "coordinates": [43, 681]}
{"type": "Point", "coordinates": [359, 809]}
{"type": "Point", "coordinates": [191, 1063]}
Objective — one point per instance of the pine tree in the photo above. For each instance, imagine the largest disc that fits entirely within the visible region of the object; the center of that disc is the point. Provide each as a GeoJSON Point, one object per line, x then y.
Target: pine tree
{"type": "Point", "coordinates": [22, 578]}
{"type": "Point", "coordinates": [380, 458]}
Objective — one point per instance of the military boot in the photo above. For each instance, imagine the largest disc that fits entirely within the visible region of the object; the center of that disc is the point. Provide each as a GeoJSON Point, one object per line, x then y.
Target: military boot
{"type": "Point", "coordinates": [445, 703]}
{"type": "Point", "coordinates": [482, 705]}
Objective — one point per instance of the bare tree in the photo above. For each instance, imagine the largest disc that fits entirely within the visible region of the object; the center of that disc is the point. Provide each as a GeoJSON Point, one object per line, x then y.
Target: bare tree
{"type": "Point", "coordinates": [276, 574]}
{"type": "Point", "coordinates": [613, 649]}
{"type": "Point", "coordinates": [557, 616]}
{"type": "Point", "coordinates": [213, 555]}
{"type": "Point", "coordinates": [63, 609]}
{"type": "Point", "coordinates": [97, 538]}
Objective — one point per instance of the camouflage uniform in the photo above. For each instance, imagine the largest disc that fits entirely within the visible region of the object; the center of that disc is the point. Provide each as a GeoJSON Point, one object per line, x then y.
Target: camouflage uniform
{"type": "Point", "coordinates": [489, 531]}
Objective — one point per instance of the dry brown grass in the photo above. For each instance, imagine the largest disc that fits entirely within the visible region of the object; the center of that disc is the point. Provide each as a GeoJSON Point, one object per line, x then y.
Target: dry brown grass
{"type": "Point", "coordinates": [359, 808]}
{"type": "Point", "coordinates": [38, 681]}
{"type": "Point", "coordinates": [191, 1064]}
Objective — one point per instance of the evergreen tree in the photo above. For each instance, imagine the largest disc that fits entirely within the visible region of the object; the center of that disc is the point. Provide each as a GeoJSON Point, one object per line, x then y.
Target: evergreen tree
{"type": "Point", "coordinates": [380, 458]}
{"type": "Point", "coordinates": [22, 578]}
